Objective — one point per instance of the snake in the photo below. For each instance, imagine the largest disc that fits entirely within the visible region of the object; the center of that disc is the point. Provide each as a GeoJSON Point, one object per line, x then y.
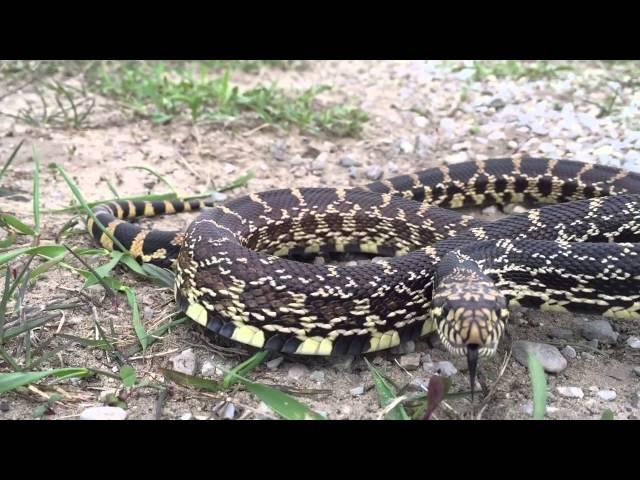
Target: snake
{"type": "Point", "coordinates": [437, 269]}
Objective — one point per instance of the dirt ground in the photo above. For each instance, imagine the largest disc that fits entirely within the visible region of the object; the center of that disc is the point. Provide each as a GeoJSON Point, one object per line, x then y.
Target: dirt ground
{"type": "Point", "coordinates": [418, 118]}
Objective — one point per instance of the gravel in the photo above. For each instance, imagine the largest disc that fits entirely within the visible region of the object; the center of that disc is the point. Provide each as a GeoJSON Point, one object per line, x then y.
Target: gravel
{"type": "Point", "coordinates": [374, 172]}
{"type": "Point", "coordinates": [274, 363]}
{"type": "Point", "coordinates": [569, 352]}
{"type": "Point", "coordinates": [185, 362]}
{"type": "Point", "coordinates": [571, 392]}
{"type": "Point", "coordinates": [410, 361]}
{"type": "Point", "coordinates": [633, 342]}
{"type": "Point", "coordinates": [607, 395]}
{"type": "Point", "coordinates": [229, 411]}
{"type": "Point", "coordinates": [348, 161]}
{"type": "Point", "coordinates": [296, 372]}
{"type": "Point", "coordinates": [208, 369]}
{"type": "Point", "coordinates": [445, 368]}
{"type": "Point", "coordinates": [600, 330]}
{"type": "Point", "coordinates": [317, 376]}
{"type": "Point", "coordinates": [357, 391]}
{"type": "Point", "coordinates": [549, 356]}
{"type": "Point", "coordinates": [103, 413]}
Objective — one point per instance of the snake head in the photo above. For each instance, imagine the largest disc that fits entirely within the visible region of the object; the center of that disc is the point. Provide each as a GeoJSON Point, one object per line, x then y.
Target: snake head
{"type": "Point", "coordinates": [470, 315]}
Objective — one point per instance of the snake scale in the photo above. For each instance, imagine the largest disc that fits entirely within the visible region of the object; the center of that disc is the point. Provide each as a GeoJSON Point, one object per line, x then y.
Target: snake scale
{"type": "Point", "coordinates": [445, 271]}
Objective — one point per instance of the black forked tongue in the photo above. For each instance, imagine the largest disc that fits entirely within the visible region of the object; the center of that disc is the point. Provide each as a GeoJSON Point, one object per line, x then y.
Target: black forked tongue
{"type": "Point", "coordinates": [472, 362]}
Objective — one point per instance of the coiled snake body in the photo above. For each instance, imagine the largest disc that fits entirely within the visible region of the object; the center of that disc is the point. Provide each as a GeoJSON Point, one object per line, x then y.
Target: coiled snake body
{"type": "Point", "coordinates": [447, 272]}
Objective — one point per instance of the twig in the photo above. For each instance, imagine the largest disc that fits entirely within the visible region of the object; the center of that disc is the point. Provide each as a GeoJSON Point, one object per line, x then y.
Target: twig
{"type": "Point", "coordinates": [153, 355]}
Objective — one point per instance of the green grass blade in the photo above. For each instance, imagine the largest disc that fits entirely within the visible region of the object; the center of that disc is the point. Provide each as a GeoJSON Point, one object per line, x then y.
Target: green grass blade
{"type": "Point", "coordinates": [243, 368]}
{"type": "Point", "coordinates": [10, 159]}
{"type": "Point", "coordinates": [103, 270]}
{"type": "Point", "coordinates": [539, 386]}
{"type": "Point", "coordinates": [386, 394]}
{"type": "Point", "coordinates": [49, 251]}
{"type": "Point", "coordinates": [128, 376]}
{"type": "Point", "coordinates": [284, 405]}
{"type": "Point", "coordinates": [154, 335]}
{"type": "Point", "coordinates": [607, 415]}
{"type": "Point", "coordinates": [80, 198]}
{"type": "Point", "coordinates": [36, 192]}
{"type": "Point", "coordinates": [135, 315]}
{"type": "Point", "coordinates": [191, 381]}
{"type": "Point", "coordinates": [11, 381]}
{"type": "Point", "coordinates": [164, 277]}
{"type": "Point", "coordinates": [16, 224]}
{"type": "Point", "coordinates": [133, 265]}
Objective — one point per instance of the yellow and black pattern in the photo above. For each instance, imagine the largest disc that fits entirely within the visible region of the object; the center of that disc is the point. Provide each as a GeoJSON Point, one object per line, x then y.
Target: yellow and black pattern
{"type": "Point", "coordinates": [447, 272]}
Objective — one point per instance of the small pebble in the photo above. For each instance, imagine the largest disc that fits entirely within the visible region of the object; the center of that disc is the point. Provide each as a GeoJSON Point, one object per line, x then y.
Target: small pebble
{"type": "Point", "coordinates": [420, 121]}
{"type": "Point", "coordinates": [229, 411]}
{"type": "Point", "coordinates": [279, 151]}
{"type": "Point", "coordinates": [512, 145]}
{"type": "Point", "coordinates": [319, 260]}
{"type": "Point", "coordinates": [636, 370]}
{"type": "Point", "coordinates": [103, 413]}
{"type": "Point", "coordinates": [274, 363]}
{"type": "Point", "coordinates": [353, 172]}
{"type": "Point", "coordinates": [374, 172]}
{"type": "Point", "coordinates": [496, 135]}
{"type": "Point", "coordinates": [635, 400]}
{"type": "Point", "coordinates": [4, 406]}
{"type": "Point", "coordinates": [185, 362]}
{"type": "Point", "coordinates": [106, 395]}
{"type": "Point", "coordinates": [490, 210]}
{"type": "Point", "coordinates": [424, 143]}
{"type": "Point", "coordinates": [410, 361]}
{"type": "Point", "coordinates": [147, 312]}
{"type": "Point", "coordinates": [208, 369]}
{"type": "Point", "coordinates": [607, 395]}
{"type": "Point", "coordinates": [571, 392]}
{"type": "Point", "coordinates": [228, 168]}
{"type": "Point", "coordinates": [357, 391]}
{"type": "Point", "coordinates": [348, 161]}
{"type": "Point", "coordinates": [528, 408]}
{"type": "Point", "coordinates": [569, 352]}
{"type": "Point", "coordinates": [600, 330]}
{"type": "Point", "coordinates": [406, 146]}
{"type": "Point", "coordinates": [317, 376]}
{"type": "Point", "coordinates": [296, 372]}
{"type": "Point", "coordinates": [186, 416]}
{"type": "Point", "coordinates": [218, 196]}
{"type": "Point", "coordinates": [633, 342]}
{"type": "Point", "coordinates": [549, 356]}
{"type": "Point", "coordinates": [446, 369]}
{"type": "Point", "coordinates": [320, 162]}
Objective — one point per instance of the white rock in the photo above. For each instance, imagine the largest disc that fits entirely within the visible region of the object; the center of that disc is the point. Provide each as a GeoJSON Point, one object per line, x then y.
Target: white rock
{"type": "Point", "coordinates": [357, 391]}
{"type": "Point", "coordinates": [186, 416]}
{"type": "Point", "coordinates": [103, 413]}
{"type": "Point", "coordinates": [497, 135]}
{"type": "Point", "coordinates": [420, 121]}
{"type": "Point", "coordinates": [571, 392]}
{"type": "Point", "coordinates": [633, 342]}
{"type": "Point", "coordinates": [607, 395]}
{"type": "Point", "coordinates": [185, 362]}
{"type": "Point", "coordinates": [208, 369]}
{"type": "Point", "coordinates": [274, 363]}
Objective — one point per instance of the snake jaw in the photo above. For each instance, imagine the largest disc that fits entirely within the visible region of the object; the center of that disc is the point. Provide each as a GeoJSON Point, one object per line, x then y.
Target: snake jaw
{"type": "Point", "coordinates": [470, 315]}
